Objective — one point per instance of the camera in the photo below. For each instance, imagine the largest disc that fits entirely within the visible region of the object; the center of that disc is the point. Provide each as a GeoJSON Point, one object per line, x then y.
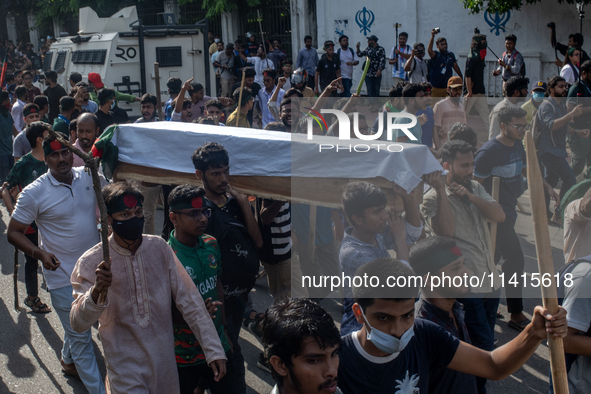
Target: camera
{"type": "Point", "coordinates": [476, 30]}
{"type": "Point", "coordinates": [437, 30]}
{"type": "Point", "coordinates": [551, 25]}
{"type": "Point", "coordinates": [421, 51]}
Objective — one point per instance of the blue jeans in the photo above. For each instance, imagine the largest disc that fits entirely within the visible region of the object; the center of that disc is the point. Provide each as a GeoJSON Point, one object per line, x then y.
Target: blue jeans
{"type": "Point", "coordinates": [557, 168]}
{"type": "Point", "coordinates": [347, 83]}
{"type": "Point", "coordinates": [481, 316]}
{"type": "Point", "coordinates": [6, 162]}
{"type": "Point", "coordinates": [373, 86]}
{"type": "Point", "coordinates": [78, 347]}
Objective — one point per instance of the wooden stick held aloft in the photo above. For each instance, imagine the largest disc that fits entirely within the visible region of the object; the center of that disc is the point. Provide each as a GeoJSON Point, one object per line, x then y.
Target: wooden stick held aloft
{"type": "Point", "coordinates": [92, 164]}
{"type": "Point", "coordinates": [240, 97]}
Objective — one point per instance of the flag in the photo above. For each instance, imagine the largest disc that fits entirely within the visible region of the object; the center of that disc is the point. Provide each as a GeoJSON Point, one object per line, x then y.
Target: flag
{"type": "Point", "coordinates": [107, 151]}
{"type": "Point", "coordinates": [4, 67]}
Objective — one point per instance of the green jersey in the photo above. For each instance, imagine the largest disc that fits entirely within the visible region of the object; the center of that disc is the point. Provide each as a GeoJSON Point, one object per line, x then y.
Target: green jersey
{"type": "Point", "coordinates": [204, 265]}
{"type": "Point", "coordinates": [25, 171]}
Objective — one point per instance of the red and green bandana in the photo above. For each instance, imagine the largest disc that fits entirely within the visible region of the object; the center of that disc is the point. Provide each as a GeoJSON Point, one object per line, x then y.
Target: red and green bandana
{"type": "Point", "coordinates": [29, 111]}
{"type": "Point", "coordinates": [126, 201]}
{"type": "Point", "coordinates": [52, 146]}
{"type": "Point", "coordinates": [194, 203]}
{"type": "Point", "coordinates": [437, 261]}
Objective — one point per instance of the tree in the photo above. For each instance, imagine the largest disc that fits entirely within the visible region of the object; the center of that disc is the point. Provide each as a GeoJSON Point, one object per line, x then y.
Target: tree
{"type": "Point", "coordinates": [502, 6]}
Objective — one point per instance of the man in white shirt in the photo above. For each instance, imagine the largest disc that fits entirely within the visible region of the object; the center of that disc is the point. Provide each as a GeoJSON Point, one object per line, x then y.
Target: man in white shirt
{"type": "Point", "coordinates": [62, 203]}
{"type": "Point", "coordinates": [260, 63]}
{"type": "Point", "coordinates": [348, 59]}
{"type": "Point", "coordinates": [17, 109]}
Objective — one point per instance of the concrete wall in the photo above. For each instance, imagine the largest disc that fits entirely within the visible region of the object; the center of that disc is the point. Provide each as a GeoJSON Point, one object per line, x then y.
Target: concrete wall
{"type": "Point", "coordinates": [418, 17]}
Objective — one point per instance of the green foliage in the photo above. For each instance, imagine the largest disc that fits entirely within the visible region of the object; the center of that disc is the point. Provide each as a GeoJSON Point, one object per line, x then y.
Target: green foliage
{"type": "Point", "coordinates": [501, 6]}
{"type": "Point", "coordinates": [217, 7]}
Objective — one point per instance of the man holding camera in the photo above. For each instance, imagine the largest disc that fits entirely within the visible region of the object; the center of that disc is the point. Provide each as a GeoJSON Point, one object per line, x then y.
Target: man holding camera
{"type": "Point", "coordinates": [444, 65]}
{"type": "Point", "coordinates": [415, 66]}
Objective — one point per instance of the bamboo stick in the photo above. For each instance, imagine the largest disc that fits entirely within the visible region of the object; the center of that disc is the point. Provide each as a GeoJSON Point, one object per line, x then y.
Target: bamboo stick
{"type": "Point", "coordinates": [545, 263]}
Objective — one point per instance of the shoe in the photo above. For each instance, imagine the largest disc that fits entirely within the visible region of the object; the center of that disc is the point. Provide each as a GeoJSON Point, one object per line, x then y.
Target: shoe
{"type": "Point", "coordinates": [254, 329]}
{"type": "Point", "coordinates": [69, 369]}
{"type": "Point", "coordinates": [263, 363]}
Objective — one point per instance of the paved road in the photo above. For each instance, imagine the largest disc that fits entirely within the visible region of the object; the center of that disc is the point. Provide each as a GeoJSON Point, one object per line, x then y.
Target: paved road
{"type": "Point", "coordinates": [30, 344]}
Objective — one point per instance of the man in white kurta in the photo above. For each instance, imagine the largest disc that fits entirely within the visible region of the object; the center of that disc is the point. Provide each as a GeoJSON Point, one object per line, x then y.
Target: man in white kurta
{"type": "Point", "coordinates": [135, 322]}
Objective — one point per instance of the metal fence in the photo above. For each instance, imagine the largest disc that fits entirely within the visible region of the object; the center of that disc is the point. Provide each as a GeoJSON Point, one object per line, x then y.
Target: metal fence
{"type": "Point", "coordinates": [193, 12]}
{"type": "Point", "coordinates": [275, 22]}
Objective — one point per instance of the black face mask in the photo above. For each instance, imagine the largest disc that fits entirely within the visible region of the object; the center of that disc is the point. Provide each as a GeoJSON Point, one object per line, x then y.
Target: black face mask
{"type": "Point", "coordinates": [130, 229]}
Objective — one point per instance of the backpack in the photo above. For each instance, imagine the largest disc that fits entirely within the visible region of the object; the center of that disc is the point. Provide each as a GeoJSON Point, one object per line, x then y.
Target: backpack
{"type": "Point", "coordinates": [240, 258]}
{"type": "Point", "coordinates": [350, 50]}
{"type": "Point", "coordinates": [522, 70]}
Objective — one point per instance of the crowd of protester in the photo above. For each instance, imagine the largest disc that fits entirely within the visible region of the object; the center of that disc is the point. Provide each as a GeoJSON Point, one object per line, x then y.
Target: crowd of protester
{"type": "Point", "coordinates": [177, 301]}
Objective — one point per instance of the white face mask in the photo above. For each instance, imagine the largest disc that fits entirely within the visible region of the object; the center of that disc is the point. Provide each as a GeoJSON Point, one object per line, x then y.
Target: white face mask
{"type": "Point", "coordinates": [217, 40]}
{"type": "Point", "coordinates": [386, 342]}
{"type": "Point", "coordinates": [113, 105]}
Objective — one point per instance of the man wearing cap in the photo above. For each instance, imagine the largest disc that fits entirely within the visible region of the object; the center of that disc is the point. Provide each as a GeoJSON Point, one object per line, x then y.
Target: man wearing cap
{"type": "Point", "coordinates": [475, 64]}
{"type": "Point", "coordinates": [444, 64]}
{"type": "Point", "coordinates": [62, 203]}
{"type": "Point", "coordinates": [143, 279]}
{"type": "Point", "coordinates": [252, 44]}
{"type": "Point", "coordinates": [580, 148]}
{"type": "Point", "coordinates": [106, 99]}
{"type": "Point", "coordinates": [54, 93]}
{"type": "Point", "coordinates": [95, 82]}
{"type": "Point", "coordinates": [376, 55]}
{"type": "Point", "coordinates": [515, 92]}
{"type": "Point", "coordinates": [538, 91]}
{"type": "Point", "coordinates": [441, 256]}
{"type": "Point", "coordinates": [174, 88]}
{"type": "Point", "coordinates": [21, 145]}
{"type": "Point", "coordinates": [447, 112]}
{"type": "Point", "coordinates": [327, 70]}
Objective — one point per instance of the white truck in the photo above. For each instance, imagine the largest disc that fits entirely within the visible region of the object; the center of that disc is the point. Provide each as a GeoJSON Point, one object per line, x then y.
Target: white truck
{"type": "Point", "coordinates": [123, 52]}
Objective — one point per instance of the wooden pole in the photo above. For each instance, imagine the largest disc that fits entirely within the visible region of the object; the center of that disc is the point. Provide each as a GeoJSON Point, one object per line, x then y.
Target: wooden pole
{"type": "Point", "coordinates": [161, 115]}
{"type": "Point", "coordinates": [496, 183]}
{"type": "Point", "coordinates": [91, 164]}
{"type": "Point", "coordinates": [545, 263]}
{"type": "Point", "coordinates": [240, 97]}
{"type": "Point", "coordinates": [15, 276]}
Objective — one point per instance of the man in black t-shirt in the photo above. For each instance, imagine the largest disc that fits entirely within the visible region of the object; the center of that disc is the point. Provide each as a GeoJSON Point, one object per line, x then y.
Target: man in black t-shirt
{"type": "Point", "coordinates": [54, 93]}
{"type": "Point", "coordinates": [574, 40]}
{"type": "Point", "coordinates": [475, 78]}
{"type": "Point", "coordinates": [106, 98]}
{"type": "Point", "coordinates": [393, 351]}
{"type": "Point", "coordinates": [327, 70]}
{"type": "Point", "coordinates": [240, 262]}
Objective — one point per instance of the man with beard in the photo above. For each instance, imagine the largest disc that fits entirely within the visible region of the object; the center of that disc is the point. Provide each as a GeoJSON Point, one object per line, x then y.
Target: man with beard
{"type": "Point", "coordinates": [301, 343]}
{"type": "Point", "coordinates": [475, 64]}
{"type": "Point", "coordinates": [54, 93]}
{"type": "Point", "coordinates": [145, 279]}
{"type": "Point", "coordinates": [510, 63]}
{"type": "Point", "coordinates": [62, 203]}
{"type": "Point", "coordinates": [87, 131]}
{"type": "Point", "coordinates": [376, 56]}
{"type": "Point", "coordinates": [148, 108]}
{"type": "Point", "coordinates": [554, 127]}
{"type": "Point", "coordinates": [441, 256]}
{"type": "Point", "coordinates": [234, 226]}
{"type": "Point", "coordinates": [580, 148]}
{"type": "Point", "coordinates": [87, 103]}
{"type": "Point", "coordinates": [515, 92]}
{"type": "Point", "coordinates": [444, 64]}
{"type": "Point", "coordinates": [472, 209]}
{"type": "Point", "coordinates": [447, 112]}
{"type": "Point", "coordinates": [259, 62]}
{"type": "Point", "coordinates": [504, 157]}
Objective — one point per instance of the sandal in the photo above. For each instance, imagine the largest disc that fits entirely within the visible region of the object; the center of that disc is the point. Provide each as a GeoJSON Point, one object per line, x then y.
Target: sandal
{"type": "Point", "coordinates": [518, 325]}
{"type": "Point", "coordinates": [248, 319]}
{"type": "Point", "coordinates": [37, 306]}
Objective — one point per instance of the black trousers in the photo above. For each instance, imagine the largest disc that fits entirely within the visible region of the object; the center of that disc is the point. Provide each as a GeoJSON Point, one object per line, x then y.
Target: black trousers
{"type": "Point", "coordinates": [509, 248]}
{"type": "Point", "coordinates": [202, 375]}
{"type": "Point", "coordinates": [31, 266]}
